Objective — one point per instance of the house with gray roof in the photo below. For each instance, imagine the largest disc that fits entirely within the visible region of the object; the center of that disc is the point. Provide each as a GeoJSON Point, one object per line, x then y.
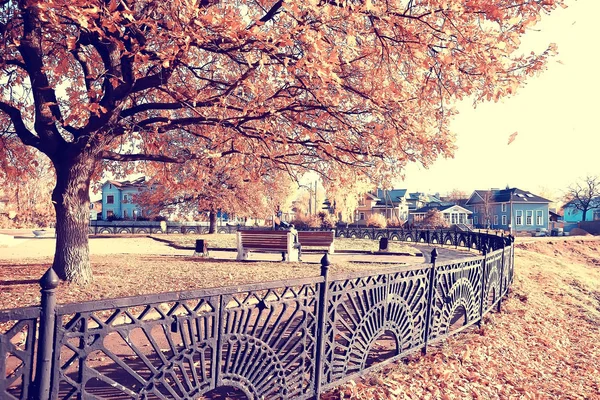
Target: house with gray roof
{"type": "Point", "coordinates": [510, 208]}
{"type": "Point", "coordinates": [117, 199]}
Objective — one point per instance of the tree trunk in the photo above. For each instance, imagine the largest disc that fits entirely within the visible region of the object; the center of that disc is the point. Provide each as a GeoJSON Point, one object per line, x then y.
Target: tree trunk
{"type": "Point", "coordinates": [584, 211]}
{"type": "Point", "coordinates": [212, 217]}
{"type": "Point", "coordinates": [71, 200]}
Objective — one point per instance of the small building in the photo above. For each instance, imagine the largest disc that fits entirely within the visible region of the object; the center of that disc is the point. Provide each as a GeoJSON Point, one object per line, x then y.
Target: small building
{"type": "Point", "coordinates": [390, 203]}
{"type": "Point", "coordinates": [508, 208]}
{"type": "Point", "coordinates": [453, 214]}
{"type": "Point", "coordinates": [573, 214]}
{"type": "Point", "coordinates": [95, 209]}
{"type": "Point", "coordinates": [117, 199]}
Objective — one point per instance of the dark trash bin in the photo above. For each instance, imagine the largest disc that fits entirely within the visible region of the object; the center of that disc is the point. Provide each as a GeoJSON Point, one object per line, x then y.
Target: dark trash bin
{"type": "Point", "coordinates": [201, 247]}
{"type": "Point", "coordinates": [383, 244]}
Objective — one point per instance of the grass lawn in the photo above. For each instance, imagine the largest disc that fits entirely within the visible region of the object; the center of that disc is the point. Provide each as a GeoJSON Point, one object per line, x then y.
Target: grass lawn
{"type": "Point", "coordinates": [225, 240]}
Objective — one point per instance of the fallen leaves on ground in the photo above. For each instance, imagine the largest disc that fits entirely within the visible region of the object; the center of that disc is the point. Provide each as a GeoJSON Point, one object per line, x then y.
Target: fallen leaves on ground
{"type": "Point", "coordinates": [542, 345]}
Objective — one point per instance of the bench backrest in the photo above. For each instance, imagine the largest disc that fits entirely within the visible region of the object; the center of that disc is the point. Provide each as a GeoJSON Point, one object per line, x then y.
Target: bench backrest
{"type": "Point", "coordinates": [316, 238]}
{"type": "Point", "coordinates": [264, 239]}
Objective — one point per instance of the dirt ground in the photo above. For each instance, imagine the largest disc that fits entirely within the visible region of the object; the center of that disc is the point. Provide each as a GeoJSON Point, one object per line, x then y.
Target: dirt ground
{"type": "Point", "coordinates": [164, 268]}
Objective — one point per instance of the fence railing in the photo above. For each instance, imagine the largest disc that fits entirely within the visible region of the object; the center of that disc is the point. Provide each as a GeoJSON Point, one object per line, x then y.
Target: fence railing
{"type": "Point", "coordinates": [277, 340]}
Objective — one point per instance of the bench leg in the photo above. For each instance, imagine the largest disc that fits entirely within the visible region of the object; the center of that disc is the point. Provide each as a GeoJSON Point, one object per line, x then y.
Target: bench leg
{"type": "Point", "coordinates": [331, 249]}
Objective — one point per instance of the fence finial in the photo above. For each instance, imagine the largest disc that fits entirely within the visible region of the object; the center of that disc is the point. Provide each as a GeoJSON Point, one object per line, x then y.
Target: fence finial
{"type": "Point", "coordinates": [49, 280]}
{"type": "Point", "coordinates": [434, 255]}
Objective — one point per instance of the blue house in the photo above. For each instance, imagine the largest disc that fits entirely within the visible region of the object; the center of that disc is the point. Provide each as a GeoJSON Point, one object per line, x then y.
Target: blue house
{"type": "Point", "coordinates": [117, 199]}
{"type": "Point", "coordinates": [508, 208]}
{"type": "Point", "coordinates": [573, 215]}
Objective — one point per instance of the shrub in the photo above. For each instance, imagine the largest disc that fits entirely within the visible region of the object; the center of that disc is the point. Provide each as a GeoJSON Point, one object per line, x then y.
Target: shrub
{"type": "Point", "coordinates": [394, 223]}
{"type": "Point", "coordinates": [306, 221]}
{"type": "Point", "coordinates": [376, 221]}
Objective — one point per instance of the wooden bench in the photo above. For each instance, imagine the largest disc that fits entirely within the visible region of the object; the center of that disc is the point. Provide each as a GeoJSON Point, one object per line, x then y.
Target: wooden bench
{"type": "Point", "coordinates": [267, 241]}
{"type": "Point", "coordinates": [317, 239]}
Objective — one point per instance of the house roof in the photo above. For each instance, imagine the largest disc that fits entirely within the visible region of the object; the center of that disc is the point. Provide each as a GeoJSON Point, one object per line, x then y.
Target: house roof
{"type": "Point", "coordinates": [515, 195]}
{"type": "Point", "coordinates": [441, 207]}
{"type": "Point", "coordinates": [395, 194]}
{"type": "Point", "coordinates": [553, 214]}
{"type": "Point", "coordinates": [141, 181]}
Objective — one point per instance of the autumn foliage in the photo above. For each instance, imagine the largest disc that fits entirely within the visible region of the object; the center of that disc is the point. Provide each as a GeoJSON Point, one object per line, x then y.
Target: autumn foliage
{"type": "Point", "coordinates": [433, 219]}
{"type": "Point", "coordinates": [126, 86]}
{"type": "Point", "coordinates": [376, 221]}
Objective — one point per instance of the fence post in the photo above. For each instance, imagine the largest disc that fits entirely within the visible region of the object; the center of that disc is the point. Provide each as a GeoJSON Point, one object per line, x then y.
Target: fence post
{"type": "Point", "coordinates": [321, 318]}
{"type": "Point", "coordinates": [483, 282]}
{"type": "Point", "coordinates": [43, 373]}
{"type": "Point", "coordinates": [501, 280]}
{"type": "Point", "coordinates": [430, 292]}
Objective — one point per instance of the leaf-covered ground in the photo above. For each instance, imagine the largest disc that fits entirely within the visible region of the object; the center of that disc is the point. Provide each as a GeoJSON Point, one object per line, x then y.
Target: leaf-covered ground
{"type": "Point", "coordinates": [543, 345]}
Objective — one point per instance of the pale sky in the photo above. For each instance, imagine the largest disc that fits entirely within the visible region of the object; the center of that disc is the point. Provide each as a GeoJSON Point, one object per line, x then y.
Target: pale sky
{"type": "Point", "coordinates": [555, 115]}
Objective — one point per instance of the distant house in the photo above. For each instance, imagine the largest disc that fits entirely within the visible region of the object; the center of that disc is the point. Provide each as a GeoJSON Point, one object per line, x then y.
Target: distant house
{"type": "Point", "coordinates": [117, 199]}
{"type": "Point", "coordinates": [95, 209]}
{"type": "Point", "coordinates": [506, 208]}
{"type": "Point", "coordinates": [572, 214]}
{"type": "Point", "coordinates": [417, 200]}
{"type": "Point", "coordinates": [390, 203]}
{"type": "Point", "coordinates": [453, 214]}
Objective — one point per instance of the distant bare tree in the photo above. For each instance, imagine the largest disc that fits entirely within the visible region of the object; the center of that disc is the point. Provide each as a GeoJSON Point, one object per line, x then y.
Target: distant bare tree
{"type": "Point", "coordinates": [457, 195]}
{"type": "Point", "coordinates": [585, 194]}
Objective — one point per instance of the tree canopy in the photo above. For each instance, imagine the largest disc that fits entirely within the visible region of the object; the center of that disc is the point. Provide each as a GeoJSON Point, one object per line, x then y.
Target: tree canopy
{"type": "Point", "coordinates": [365, 84]}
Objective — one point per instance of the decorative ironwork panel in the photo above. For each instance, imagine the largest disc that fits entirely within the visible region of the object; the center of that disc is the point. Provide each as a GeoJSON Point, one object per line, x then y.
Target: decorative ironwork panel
{"type": "Point", "coordinates": [17, 347]}
{"type": "Point", "coordinates": [362, 310]}
{"type": "Point", "coordinates": [493, 267]}
{"type": "Point", "coordinates": [457, 296]}
{"type": "Point", "coordinates": [267, 342]}
{"type": "Point", "coordinates": [160, 350]}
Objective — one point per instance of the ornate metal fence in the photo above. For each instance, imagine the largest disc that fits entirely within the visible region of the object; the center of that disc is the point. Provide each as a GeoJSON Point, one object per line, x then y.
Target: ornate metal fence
{"type": "Point", "coordinates": [276, 340]}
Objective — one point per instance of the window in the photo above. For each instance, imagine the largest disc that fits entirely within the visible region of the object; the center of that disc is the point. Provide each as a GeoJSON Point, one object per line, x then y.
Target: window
{"type": "Point", "coordinates": [596, 215]}
{"type": "Point", "coordinates": [539, 217]}
{"type": "Point", "coordinates": [503, 207]}
{"type": "Point", "coordinates": [495, 220]}
{"type": "Point", "coordinates": [519, 217]}
{"type": "Point", "coordinates": [461, 218]}
{"type": "Point", "coordinates": [110, 199]}
{"type": "Point", "coordinates": [454, 218]}
{"type": "Point", "coordinates": [361, 202]}
{"type": "Point", "coordinates": [109, 213]}
{"type": "Point", "coordinates": [529, 217]}
{"type": "Point", "coordinates": [125, 216]}
{"type": "Point", "coordinates": [361, 216]}
{"type": "Point", "coordinates": [475, 220]}
{"type": "Point", "coordinates": [126, 198]}
{"type": "Point", "coordinates": [504, 220]}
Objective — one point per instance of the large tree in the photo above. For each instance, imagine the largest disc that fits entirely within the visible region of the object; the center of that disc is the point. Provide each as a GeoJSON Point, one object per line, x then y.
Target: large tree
{"type": "Point", "coordinates": [365, 83]}
{"type": "Point", "coordinates": [584, 195]}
